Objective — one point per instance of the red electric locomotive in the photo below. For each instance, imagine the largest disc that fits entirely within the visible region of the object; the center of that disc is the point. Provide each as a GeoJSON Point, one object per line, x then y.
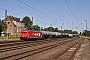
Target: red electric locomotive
{"type": "Point", "coordinates": [29, 34]}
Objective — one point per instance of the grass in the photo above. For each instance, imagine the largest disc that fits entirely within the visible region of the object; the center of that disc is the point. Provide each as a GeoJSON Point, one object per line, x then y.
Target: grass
{"type": "Point", "coordinates": [10, 37]}
{"type": "Point", "coordinates": [84, 37]}
{"type": "Point", "coordinates": [3, 37]}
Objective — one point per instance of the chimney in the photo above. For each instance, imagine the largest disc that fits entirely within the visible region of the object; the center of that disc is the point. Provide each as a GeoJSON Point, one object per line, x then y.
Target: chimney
{"type": "Point", "coordinates": [5, 13]}
{"type": "Point", "coordinates": [18, 19]}
{"type": "Point", "coordinates": [32, 20]}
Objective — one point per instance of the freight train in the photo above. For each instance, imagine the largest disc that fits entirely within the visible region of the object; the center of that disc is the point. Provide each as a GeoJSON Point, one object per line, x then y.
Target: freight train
{"type": "Point", "coordinates": [31, 34]}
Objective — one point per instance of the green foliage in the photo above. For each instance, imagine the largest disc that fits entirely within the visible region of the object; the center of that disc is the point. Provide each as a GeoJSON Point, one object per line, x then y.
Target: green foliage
{"type": "Point", "coordinates": [68, 31]}
{"type": "Point", "coordinates": [3, 26]}
{"type": "Point", "coordinates": [56, 29]}
{"type": "Point", "coordinates": [45, 29]}
{"type": "Point", "coordinates": [51, 29]}
{"type": "Point", "coordinates": [35, 27]}
{"type": "Point", "coordinates": [84, 33]}
{"type": "Point", "coordinates": [60, 31]}
{"type": "Point", "coordinates": [88, 33]}
{"type": "Point", "coordinates": [42, 29]}
{"type": "Point", "coordinates": [27, 22]}
{"type": "Point", "coordinates": [75, 32]}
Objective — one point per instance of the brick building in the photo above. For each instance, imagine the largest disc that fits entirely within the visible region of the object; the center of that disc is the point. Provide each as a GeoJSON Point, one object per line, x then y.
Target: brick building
{"type": "Point", "coordinates": [14, 26]}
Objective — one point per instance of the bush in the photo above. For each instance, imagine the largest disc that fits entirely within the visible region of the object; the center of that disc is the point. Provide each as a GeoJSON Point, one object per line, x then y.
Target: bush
{"type": "Point", "coordinates": [13, 36]}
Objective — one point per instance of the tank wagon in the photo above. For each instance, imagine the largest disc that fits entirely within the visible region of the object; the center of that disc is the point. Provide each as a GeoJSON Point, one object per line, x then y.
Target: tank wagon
{"type": "Point", "coordinates": [47, 34]}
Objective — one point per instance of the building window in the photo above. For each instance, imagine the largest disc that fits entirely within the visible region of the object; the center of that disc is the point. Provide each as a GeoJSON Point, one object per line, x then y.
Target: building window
{"type": "Point", "coordinates": [8, 22]}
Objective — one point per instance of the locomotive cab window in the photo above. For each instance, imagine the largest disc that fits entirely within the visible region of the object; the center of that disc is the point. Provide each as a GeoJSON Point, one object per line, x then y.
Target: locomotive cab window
{"type": "Point", "coordinates": [23, 32]}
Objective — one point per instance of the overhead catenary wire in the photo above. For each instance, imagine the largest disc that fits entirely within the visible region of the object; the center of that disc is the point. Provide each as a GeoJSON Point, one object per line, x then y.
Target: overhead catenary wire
{"type": "Point", "coordinates": [17, 5]}
{"type": "Point", "coordinates": [71, 11]}
{"type": "Point", "coordinates": [47, 8]}
{"type": "Point", "coordinates": [35, 9]}
{"type": "Point", "coordinates": [29, 10]}
{"type": "Point", "coordinates": [12, 12]}
{"type": "Point", "coordinates": [80, 23]}
{"type": "Point", "coordinates": [23, 9]}
{"type": "Point", "coordinates": [71, 7]}
{"type": "Point", "coordinates": [52, 12]}
{"type": "Point", "coordinates": [48, 15]}
{"type": "Point", "coordinates": [16, 13]}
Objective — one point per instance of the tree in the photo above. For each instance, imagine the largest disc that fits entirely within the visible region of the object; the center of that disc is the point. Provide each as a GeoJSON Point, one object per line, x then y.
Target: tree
{"type": "Point", "coordinates": [61, 31]}
{"type": "Point", "coordinates": [27, 22]}
{"type": "Point", "coordinates": [51, 29]}
{"type": "Point", "coordinates": [0, 27]}
{"type": "Point", "coordinates": [3, 26]}
{"type": "Point", "coordinates": [67, 31]}
{"type": "Point", "coordinates": [75, 32]}
{"type": "Point", "coordinates": [80, 33]}
{"type": "Point", "coordinates": [86, 33]}
{"type": "Point", "coordinates": [56, 29]}
{"type": "Point", "coordinates": [45, 29]}
{"type": "Point", "coordinates": [41, 28]}
{"type": "Point", "coordinates": [35, 27]}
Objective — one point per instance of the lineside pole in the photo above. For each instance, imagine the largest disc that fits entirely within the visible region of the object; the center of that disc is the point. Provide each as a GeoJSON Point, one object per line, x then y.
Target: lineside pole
{"type": "Point", "coordinates": [86, 27]}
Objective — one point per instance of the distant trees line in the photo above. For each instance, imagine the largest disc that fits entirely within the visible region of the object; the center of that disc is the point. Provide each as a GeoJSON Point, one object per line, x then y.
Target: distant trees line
{"type": "Point", "coordinates": [29, 25]}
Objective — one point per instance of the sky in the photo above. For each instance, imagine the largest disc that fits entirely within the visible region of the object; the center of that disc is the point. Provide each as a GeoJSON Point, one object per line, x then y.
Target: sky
{"type": "Point", "coordinates": [70, 14]}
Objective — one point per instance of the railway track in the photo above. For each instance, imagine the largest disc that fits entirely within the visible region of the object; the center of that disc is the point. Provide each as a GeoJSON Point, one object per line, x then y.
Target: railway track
{"type": "Point", "coordinates": [69, 52]}
{"type": "Point", "coordinates": [22, 51]}
{"type": "Point", "coordinates": [9, 43]}
{"type": "Point", "coordinates": [30, 50]}
{"type": "Point", "coordinates": [64, 52]}
{"type": "Point", "coordinates": [20, 45]}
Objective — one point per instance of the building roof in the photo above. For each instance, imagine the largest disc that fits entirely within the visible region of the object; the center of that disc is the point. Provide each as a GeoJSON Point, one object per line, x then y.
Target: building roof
{"type": "Point", "coordinates": [12, 18]}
